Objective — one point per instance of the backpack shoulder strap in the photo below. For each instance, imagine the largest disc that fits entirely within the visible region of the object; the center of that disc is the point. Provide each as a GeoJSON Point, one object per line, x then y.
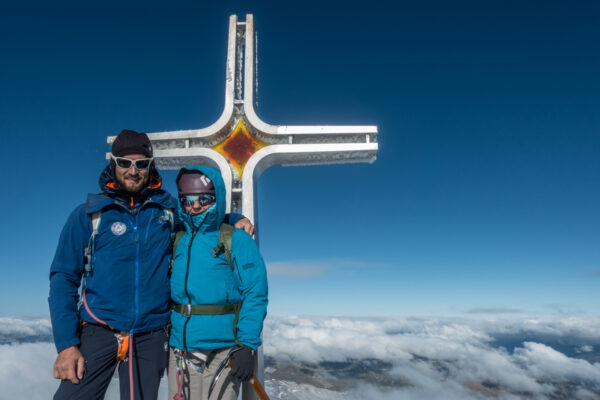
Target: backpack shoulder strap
{"type": "Point", "coordinates": [89, 250]}
{"type": "Point", "coordinates": [169, 216]}
{"type": "Point", "coordinates": [225, 239]}
{"type": "Point", "coordinates": [176, 240]}
{"type": "Point", "coordinates": [96, 216]}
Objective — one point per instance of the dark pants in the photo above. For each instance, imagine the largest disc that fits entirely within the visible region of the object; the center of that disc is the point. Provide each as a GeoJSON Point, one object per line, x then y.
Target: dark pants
{"type": "Point", "coordinates": [99, 348]}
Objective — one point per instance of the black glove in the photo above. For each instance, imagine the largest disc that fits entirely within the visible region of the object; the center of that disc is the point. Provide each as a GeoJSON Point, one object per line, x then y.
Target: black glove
{"type": "Point", "coordinates": [243, 364]}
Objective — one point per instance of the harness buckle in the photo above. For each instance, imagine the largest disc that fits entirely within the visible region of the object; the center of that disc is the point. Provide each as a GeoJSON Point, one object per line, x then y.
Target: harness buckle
{"type": "Point", "coordinates": [187, 311]}
{"type": "Point", "coordinates": [123, 345]}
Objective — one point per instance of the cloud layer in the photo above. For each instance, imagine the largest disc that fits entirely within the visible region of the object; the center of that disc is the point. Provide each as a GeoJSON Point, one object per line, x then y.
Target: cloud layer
{"type": "Point", "coordinates": [548, 358]}
{"type": "Point", "coordinates": [451, 358]}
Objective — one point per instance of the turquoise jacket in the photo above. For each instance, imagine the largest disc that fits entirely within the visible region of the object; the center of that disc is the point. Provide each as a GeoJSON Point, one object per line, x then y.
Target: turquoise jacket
{"type": "Point", "coordinates": [200, 278]}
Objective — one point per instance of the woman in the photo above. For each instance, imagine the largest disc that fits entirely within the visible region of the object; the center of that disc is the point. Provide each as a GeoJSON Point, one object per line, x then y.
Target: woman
{"type": "Point", "coordinates": [219, 306]}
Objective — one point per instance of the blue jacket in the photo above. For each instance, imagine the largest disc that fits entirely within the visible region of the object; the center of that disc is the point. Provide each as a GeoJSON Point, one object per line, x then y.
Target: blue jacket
{"type": "Point", "coordinates": [200, 278]}
{"type": "Point", "coordinates": [129, 285]}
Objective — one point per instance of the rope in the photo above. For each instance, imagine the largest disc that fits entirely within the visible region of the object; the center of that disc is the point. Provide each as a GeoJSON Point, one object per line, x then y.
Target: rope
{"type": "Point", "coordinates": [179, 377]}
{"type": "Point", "coordinates": [130, 345]}
{"type": "Point", "coordinates": [131, 397]}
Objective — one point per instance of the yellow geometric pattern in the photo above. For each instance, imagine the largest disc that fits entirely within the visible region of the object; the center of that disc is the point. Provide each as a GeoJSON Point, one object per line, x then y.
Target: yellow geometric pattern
{"type": "Point", "coordinates": [239, 146]}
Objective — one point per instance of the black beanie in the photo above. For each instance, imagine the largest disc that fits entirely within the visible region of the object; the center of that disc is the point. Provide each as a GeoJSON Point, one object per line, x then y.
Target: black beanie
{"type": "Point", "coordinates": [131, 142]}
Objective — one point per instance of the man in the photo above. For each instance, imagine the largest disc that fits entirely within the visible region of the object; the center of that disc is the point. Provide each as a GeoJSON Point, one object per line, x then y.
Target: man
{"type": "Point", "coordinates": [219, 290]}
{"type": "Point", "coordinates": [119, 241]}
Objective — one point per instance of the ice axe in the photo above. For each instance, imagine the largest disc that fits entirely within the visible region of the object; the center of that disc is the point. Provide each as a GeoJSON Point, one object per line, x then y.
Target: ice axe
{"type": "Point", "coordinates": [228, 362]}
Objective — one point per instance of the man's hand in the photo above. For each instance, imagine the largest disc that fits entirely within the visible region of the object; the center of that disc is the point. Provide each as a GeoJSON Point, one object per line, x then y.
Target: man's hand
{"type": "Point", "coordinates": [70, 365]}
{"type": "Point", "coordinates": [246, 225]}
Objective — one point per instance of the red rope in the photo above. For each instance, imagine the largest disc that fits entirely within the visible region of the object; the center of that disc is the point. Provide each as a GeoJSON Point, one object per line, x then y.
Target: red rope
{"type": "Point", "coordinates": [131, 366]}
{"type": "Point", "coordinates": [98, 320]}
{"type": "Point", "coordinates": [87, 308]}
{"type": "Point", "coordinates": [179, 378]}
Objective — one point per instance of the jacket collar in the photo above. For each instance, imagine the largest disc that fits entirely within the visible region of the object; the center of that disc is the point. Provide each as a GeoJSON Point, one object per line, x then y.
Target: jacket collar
{"type": "Point", "coordinates": [112, 194]}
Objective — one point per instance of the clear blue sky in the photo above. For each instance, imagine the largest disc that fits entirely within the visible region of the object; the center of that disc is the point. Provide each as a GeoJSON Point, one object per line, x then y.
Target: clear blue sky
{"type": "Point", "coordinates": [485, 196]}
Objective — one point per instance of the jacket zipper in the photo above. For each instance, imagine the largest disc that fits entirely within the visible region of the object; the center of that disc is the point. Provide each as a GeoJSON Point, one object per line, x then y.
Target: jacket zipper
{"type": "Point", "coordinates": [137, 272]}
{"type": "Point", "coordinates": [187, 273]}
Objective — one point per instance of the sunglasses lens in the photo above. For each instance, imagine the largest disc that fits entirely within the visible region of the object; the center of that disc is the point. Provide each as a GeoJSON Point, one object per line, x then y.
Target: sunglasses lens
{"type": "Point", "coordinates": [123, 162]}
{"type": "Point", "coordinates": [206, 199]}
{"type": "Point", "coordinates": [203, 199]}
{"type": "Point", "coordinates": [188, 201]}
{"type": "Point", "coordinates": [143, 163]}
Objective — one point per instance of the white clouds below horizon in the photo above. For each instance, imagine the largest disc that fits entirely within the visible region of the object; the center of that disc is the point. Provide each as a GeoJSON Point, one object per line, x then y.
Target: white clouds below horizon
{"type": "Point", "coordinates": [464, 347]}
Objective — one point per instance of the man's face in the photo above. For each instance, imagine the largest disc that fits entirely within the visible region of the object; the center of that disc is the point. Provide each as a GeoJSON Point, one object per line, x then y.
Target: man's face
{"type": "Point", "coordinates": [131, 179]}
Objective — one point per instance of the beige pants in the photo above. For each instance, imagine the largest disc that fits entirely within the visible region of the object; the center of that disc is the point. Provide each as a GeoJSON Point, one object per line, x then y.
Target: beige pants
{"type": "Point", "coordinates": [196, 381]}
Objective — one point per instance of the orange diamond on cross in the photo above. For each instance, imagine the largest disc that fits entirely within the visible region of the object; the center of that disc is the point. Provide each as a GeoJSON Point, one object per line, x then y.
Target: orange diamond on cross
{"type": "Point", "coordinates": [239, 146]}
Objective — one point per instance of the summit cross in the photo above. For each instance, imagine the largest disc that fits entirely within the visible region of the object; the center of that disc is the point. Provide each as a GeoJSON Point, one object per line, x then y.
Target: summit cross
{"type": "Point", "coordinates": [242, 146]}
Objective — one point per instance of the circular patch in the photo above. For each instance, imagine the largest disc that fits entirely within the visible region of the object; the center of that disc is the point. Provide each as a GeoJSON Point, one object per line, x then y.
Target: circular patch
{"type": "Point", "coordinates": [118, 228]}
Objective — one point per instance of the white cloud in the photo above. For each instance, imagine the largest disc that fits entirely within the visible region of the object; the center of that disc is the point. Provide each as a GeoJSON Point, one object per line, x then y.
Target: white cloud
{"type": "Point", "coordinates": [26, 373]}
{"type": "Point", "coordinates": [296, 269]}
{"type": "Point", "coordinates": [584, 349]}
{"type": "Point", "coordinates": [25, 326]}
{"type": "Point", "coordinates": [443, 355]}
{"type": "Point", "coordinates": [439, 358]}
{"type": "Point", "coordinates": [312, 268]}
{"type": "Point", "coordinates": [494, 310]}
{"type": "Point", "coordinates": [545, 363]}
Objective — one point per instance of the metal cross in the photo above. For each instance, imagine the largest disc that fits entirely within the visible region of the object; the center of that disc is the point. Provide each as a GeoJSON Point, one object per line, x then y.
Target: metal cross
{"type": "Point", "coordinates": [242, 146]}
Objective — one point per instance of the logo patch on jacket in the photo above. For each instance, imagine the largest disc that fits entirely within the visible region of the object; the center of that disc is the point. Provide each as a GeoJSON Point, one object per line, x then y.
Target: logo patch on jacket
{"type": "Point", "coordinates": [118, 228]}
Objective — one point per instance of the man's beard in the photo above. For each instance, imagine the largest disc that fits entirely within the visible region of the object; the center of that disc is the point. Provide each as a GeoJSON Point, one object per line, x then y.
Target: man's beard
{"type": "Point", "coordinates": [132, 190]}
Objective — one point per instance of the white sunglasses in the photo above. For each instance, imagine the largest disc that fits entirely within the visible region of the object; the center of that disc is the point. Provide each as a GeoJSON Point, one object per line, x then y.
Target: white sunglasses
{"type": "Point", "coordinates": [126, 163]}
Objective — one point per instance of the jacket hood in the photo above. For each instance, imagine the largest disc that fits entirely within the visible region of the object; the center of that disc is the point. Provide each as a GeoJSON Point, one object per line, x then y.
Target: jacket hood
{"type": "Point", "coordinates": [111, 193]}
{"type": "Point", "coordinates": [212, 218]}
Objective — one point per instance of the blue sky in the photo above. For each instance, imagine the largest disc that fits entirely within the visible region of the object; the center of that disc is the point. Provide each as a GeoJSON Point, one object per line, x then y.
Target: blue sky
{"type": "Point", "coordinates": [485, 195]}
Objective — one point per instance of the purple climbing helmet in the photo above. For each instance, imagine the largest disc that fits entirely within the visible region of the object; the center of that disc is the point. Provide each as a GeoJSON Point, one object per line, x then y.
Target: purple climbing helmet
{"type": "Point", "coordinates": [194, 182]}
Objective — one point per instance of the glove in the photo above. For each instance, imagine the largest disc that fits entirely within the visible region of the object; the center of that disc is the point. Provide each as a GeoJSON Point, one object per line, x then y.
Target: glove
{"type": "Point", "coordinates": [243, 364]}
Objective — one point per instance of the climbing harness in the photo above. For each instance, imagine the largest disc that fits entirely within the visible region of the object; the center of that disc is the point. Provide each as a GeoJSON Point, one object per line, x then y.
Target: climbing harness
{"type": "Point", "coordinates": [182, 362]}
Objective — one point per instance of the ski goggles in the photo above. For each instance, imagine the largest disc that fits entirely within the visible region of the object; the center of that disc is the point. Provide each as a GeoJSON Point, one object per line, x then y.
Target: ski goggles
{"type": "Point", "coordinates": [126, 163]}
{"type": "Point", "coordinates": [188, 200]}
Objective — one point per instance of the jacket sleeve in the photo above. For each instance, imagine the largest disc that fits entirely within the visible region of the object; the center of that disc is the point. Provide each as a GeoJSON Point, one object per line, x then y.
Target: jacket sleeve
{"type": "Point", "coordinates": [251, 274]}
{"type": "Point", "coordinates": [232, 218]}
{"type": "Point", "coordinates": [65, 276]}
